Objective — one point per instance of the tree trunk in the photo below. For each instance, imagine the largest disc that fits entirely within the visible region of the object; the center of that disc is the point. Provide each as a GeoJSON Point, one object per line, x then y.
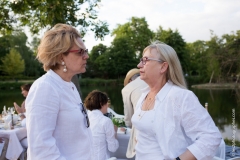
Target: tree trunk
{"type": "Point", "coordinates": [211, 77]}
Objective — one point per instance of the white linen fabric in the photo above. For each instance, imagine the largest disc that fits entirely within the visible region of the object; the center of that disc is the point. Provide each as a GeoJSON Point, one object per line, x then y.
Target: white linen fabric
{"type": "Point", "coordinates": [147, 148]}
{"type": "Point", "coordinates": [130, 94]}
{"type": "Point", "coordinates": [14, 148]}
{"type": "Point", "coordinates": [181, 123]}
{"type": "Point", "coordinates": [56, 128]}
{"type": "Point", "coordinates": [103, 135]}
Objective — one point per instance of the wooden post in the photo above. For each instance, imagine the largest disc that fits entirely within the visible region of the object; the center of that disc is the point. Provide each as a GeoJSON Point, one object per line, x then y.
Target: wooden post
{"type": "Point", "coordinates": [206, 106]}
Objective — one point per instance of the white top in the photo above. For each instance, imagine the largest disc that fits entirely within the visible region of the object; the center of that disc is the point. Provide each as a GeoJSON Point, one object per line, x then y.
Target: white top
{"type": "Point", "coordinates": [130, 94]}
{"type": "Point", "coordinates": [56, 126]}
{"type": "Point", "coordinates": [103, 135]}
{"type": "Point", "coordinates": [147, 147]}
{"type": "Point", "coordinates": [181, 123]}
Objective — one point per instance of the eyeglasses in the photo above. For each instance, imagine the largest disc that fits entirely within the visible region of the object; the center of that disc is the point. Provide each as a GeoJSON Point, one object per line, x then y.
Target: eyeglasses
{"type": "Point", "coordinates": [145, 59]}
{"type": "Point", "coordinates": [81, 52]}
{"type": "Point", "coordinates": [87, 123]}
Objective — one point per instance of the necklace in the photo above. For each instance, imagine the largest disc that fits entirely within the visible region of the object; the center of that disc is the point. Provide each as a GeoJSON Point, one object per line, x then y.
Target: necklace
{"type": "Point", "coordinates": [148, 103]}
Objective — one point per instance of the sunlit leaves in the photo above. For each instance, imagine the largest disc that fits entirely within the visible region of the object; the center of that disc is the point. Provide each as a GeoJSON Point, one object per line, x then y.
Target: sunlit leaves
{"type": "Point", "coordinates": [12, 63]}
{"type": "Point", "coordinates": [44, 14]}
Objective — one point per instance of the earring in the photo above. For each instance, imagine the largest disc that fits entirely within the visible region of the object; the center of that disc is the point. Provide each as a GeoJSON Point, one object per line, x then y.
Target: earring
{"type": "Point", "coordinates": [64, 67]}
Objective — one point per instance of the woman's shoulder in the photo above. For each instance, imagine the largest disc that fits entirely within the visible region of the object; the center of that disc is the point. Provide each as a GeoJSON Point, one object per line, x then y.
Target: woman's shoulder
{"type": "Point", "coordinates": [179, 90]}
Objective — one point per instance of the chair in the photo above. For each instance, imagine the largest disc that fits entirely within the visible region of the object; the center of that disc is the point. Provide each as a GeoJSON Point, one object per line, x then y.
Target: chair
{"type": "Point", "coordinates": [4, 151]}
{"type": "Point", "coordinates": [24, 144]}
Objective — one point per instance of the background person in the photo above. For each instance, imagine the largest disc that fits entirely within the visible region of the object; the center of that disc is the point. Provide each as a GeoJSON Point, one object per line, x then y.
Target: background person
{"type": "Point", "coordinates": [57, 123]}
{"type": "Point", "coordinates": [103, 131]}
{"type": "Point", "coordinates": [21, 110]}
{"type": "Point", "coordinates": [130, 94]}
{"type": "Point", "coordinates": [170, 121]}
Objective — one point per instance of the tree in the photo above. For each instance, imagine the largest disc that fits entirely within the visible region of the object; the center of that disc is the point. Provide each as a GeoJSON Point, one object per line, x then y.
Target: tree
{"type": "Point", "coordinates": [137, 33]}
{"type": "Point", "coordinates": [197, 58]}
{"type": "Point", "coordinates": [18, 41]}
{"type": "Point", "coordinates": [13, 64]}
{"type": "Point", "coordinates": [45, 14]}
{"type": "Point", "coordinates": [231, 60]}
{"type": "Point", "coordinates": [6, 18]}
{"type": "Point", "coordinates": [123, 56]}
{"type": "Point", "coordinates": [92, 66]}
{"type": "Point", "coordinates": [175, 40]}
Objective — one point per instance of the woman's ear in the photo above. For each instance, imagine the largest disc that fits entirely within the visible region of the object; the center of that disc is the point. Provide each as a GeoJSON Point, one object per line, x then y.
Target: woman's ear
{"type": "Point", "coordinates": [164, 67]}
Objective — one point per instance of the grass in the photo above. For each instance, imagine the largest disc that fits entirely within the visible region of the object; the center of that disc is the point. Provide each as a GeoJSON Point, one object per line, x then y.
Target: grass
{"type": "Point", "coordinates": [229, 142]}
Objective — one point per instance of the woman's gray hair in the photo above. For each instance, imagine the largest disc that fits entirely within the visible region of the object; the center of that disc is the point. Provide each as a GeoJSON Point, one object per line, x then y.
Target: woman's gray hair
{"type": "Point", "coordinates": [169, 55]}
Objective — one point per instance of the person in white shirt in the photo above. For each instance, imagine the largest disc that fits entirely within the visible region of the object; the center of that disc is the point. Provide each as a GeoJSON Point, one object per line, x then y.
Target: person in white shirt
{"type": "Point", "coordinates": [21, 110]}
{"type": "Point", "coordinates": [170, 121]}
{"type": "Point", "coordinates": [56, 120]}
{"type": "Point", "coordinates": [130, 94]}
{"type": "Point", "coordinates": [103, 130]}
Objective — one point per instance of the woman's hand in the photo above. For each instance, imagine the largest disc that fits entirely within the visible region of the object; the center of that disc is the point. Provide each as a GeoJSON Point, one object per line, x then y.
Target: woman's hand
{"type": "Point", "coordinates": [17, 108]}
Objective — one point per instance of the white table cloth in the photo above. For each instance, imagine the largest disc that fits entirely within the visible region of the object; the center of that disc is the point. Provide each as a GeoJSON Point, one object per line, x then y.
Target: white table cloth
{"type": "Point", "coordinates": [14, 146]}
{"type": "Point", "coordinates": [123, 144]}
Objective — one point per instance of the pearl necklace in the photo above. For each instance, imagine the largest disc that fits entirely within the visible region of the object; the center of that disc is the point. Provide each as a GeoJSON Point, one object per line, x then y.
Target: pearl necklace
{"type": "Point", "coordinates": [148, 103]}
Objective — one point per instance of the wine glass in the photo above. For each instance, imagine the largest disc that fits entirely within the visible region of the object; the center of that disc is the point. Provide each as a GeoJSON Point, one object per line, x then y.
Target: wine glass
{"type": "Point", "coordinates": [12, 110]}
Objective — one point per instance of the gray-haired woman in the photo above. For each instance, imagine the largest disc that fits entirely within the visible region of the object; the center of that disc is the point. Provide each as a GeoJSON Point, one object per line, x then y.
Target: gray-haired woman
{"type": "Point", "coordinates": [171, 122]}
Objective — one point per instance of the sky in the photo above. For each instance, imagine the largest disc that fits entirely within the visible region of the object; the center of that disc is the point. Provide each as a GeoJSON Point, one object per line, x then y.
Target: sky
{"type": "Point", "coordinates": [192, 18]}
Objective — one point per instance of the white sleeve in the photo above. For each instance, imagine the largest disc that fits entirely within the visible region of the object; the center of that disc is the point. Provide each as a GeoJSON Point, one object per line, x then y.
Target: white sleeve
{"type": "Point", "coordinates": [42, 107]}
{"type": "Point", "coordinates": [112, 142]}
{"type": "Point", "coordinates": [199, 126]}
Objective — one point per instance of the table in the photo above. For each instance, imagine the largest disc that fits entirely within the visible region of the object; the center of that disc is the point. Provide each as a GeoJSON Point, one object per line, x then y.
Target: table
{"type": "Point", "coordinates": [123, 144]}
{"type": "Point", "coordinates": [15, 148]}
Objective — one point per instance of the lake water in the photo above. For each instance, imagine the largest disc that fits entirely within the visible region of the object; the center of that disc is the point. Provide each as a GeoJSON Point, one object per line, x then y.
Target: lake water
{"type": "Point", "coordinates": [223, 105]}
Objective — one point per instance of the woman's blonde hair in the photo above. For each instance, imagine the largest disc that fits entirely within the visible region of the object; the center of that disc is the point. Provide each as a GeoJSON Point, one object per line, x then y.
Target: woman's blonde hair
{"type": "Point", "coordinates": [55, 42]}
{"type": "Point", "coordinates": [168, 54]}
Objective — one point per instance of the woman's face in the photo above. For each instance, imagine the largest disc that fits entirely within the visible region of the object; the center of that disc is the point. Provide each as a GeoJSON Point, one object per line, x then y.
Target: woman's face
{"type": "Point", "coordinates": [151, 70]}
{"type": "Point", "coordinates": [75, 62]}
{"type": "Point", "coordinates": [24, 92]}
{"type": "Point", "coordinates": [104, 108]}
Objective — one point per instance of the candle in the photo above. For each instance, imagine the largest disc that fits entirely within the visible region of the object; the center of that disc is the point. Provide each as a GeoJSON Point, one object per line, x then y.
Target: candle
{"type": "Point", "coordinates": [4, 109]}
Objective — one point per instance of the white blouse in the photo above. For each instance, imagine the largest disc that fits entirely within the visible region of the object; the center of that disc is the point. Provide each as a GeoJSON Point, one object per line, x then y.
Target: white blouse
{"type": "Point", "coordinates": [180, 123]}
{"type": "Point", "coordinates": [103, 135]}
{"type": "Point", "coordinates": [56, 125]}
{"type": "Point", "coordinates": [147, 147]}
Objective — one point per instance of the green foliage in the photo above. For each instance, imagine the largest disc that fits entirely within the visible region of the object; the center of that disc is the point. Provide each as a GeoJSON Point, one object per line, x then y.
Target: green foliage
{"type": "Point", "coordinates": [45, 14]}
{"type": "Point", "coordinates": [99, 82]}
{"type": "Point", "coordinates": [18, 41]}
{"type": "Point", "coordinates": [93, 65]}
{"type": "Point", "coordinates": [123, 56]}
{"type": "Point", "coordinates": [136, 32]}
{"type": "Point", "coordinates": [34, 44]}
{"type": "Point", "coordinates": [6, 19]}
{"type": "Point", "coordinates": [229, 142]}
{"type": "Point", "coordinates": [13, 64]}
{"type": "Point", "coordinates": [197, 58]}
{"type": "Point", "coordinates": [175, 40]}
{"type": "Point", "coordinates": [119, 122]}
{"type": "Point", "coordinates": [13, 85]}
{"type": "Point", "coordinates": [219, 56]}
